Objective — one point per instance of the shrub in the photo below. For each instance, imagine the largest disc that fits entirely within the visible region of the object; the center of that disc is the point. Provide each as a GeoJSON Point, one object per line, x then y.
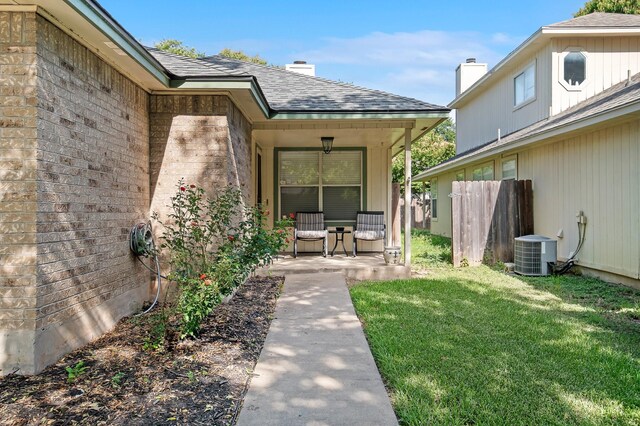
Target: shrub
{"type": "Point", "coordinates": [213, 245]}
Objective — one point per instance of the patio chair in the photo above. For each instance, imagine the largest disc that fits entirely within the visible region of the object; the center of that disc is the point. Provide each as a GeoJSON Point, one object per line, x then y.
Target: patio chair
{"type": "Point", "coordinates": [310, 227]}
{"type": "Point", "coordinates": [369, 227]}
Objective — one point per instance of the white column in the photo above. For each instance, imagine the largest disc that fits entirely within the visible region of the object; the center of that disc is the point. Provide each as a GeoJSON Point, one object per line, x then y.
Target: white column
{"type": "Point", "coordinates": [407, 197]}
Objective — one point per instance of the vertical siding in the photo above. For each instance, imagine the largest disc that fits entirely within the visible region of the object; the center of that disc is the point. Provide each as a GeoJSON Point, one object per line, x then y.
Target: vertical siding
{"type": "Point", "coordinates": [608, 61]}
{"type": "Point", "coordinates": [595, 173]}
{"type": "Point", "coordinates": [479, 120]}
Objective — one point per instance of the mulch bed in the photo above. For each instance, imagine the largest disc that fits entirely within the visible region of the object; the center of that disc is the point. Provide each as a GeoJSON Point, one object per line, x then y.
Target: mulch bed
{"type": "Point", "coordinates": [196, 382]}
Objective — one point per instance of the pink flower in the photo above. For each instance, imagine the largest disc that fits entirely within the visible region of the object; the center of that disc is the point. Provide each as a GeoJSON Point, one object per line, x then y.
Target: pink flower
{"type": "Point", "coordinates": [207, 282]}
{"type": "Point", "coordinates": [194, 223]}
{"type": "Point", "coordinates": [231, 237]}
{"type": "Point", "coordinates": [203, 276]}
{"type": "Point", "coordinates": [182, 188]}
{"type": "Point", "coordinates": [292, 216]}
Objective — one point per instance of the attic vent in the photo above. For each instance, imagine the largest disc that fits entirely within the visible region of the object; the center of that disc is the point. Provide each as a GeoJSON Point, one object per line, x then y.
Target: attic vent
{"type": "Point", "coordinates": [471, 60]}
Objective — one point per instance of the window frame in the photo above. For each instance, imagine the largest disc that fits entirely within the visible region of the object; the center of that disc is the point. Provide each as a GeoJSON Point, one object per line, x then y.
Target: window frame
{"type": "Point", "coordinates": [481, 167]}
{"type": "Point", "coordinates": [587, 68]}
{"type": "Point", "coordinates": [506, 160]}
{"type": "Point", "coordinates": [531, 65]}
{"type": "Point", "coordinates": [363, 180]}
{"type": "Point", "coordinates": [433, 183]}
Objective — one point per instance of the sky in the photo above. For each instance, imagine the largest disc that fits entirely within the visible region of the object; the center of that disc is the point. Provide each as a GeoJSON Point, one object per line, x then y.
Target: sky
{"type": "Point", "coordinates": [409, 48]}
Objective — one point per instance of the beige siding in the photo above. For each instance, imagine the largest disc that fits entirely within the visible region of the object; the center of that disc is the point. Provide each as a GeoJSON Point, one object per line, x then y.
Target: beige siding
{"type": "Point", "coordinates": [479, 120]}
{"type": "Point", "coordinates": [595, 173]}
{"type": "Point", "coordinates": [608, 61]}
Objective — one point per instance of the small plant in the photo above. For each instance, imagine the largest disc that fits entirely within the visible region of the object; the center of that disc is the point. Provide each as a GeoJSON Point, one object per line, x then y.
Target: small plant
{"type": "Point", "coordinates": [191, 376]}
{"type": "Point", "coordinates": [116, 380]}
{"type": "Point", "coordinates": [464, 263]}
{"type": "Point", "coordinates": [75, 371]}
{"type": "Point", "coordinates": [156, 336]}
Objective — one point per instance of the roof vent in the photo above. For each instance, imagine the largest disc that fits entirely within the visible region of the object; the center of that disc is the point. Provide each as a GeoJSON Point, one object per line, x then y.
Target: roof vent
{"type": "Point", "coordinates": [471, 60]}
{"type": "Point", "coordinates": [302, 67]}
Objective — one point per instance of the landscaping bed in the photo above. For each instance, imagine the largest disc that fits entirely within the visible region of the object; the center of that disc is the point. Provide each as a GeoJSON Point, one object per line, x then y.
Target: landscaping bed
{"type": "Point", "coordinates": [194, 381]}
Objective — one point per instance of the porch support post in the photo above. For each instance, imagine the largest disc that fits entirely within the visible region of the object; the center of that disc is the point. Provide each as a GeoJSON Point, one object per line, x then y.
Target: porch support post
{"type": "Point", "coordinates": [407, 197]}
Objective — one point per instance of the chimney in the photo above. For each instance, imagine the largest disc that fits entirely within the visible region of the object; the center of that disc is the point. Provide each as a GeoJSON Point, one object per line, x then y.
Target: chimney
{"type": "Point", "coordinates": [468, 73]}
{"type": "Point", "coordinates": [302, 67]}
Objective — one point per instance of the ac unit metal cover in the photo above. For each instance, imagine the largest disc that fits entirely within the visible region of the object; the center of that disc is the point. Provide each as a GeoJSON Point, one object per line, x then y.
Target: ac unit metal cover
{"type": "Point", "coordinates": [533, 254]}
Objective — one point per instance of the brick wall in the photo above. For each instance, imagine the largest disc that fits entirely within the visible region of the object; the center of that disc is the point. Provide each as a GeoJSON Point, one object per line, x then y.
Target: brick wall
{"type": "Point", "coordinates": [204, 139]}
{"type": "Point", "coordinates": [18, 145]}
{"type": "Point", "coordinates": [91, 185]}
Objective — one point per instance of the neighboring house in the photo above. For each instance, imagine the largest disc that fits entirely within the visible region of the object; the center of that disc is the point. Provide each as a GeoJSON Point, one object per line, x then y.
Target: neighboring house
{"type": "Point", "coordinates": [96, 130]}
{"type": "Point", "coordinates": [563, 109]}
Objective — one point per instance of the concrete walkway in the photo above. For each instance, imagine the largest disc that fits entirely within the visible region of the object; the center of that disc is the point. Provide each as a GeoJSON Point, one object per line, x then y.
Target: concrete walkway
{"type": "Point", "coordinates": [316, 367]}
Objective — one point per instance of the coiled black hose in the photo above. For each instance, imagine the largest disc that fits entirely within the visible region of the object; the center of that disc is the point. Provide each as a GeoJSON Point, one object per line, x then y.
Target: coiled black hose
{"type": "Point", "coordinates": [142, 245]}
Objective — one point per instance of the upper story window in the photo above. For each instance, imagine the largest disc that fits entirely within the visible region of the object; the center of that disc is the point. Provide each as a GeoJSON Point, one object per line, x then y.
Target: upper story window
{"type": "Point", "coordinates": [524, 85]}
{"type": "Point", "coordinates": [573, 68]}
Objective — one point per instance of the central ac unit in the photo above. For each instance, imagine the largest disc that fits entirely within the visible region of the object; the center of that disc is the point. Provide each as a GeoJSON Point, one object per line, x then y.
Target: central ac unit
{"type": "Point", "coordinates": [533, 253]}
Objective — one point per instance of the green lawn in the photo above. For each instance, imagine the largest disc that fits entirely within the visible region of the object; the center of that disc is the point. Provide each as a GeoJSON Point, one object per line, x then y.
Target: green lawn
{"type": "Point", "coordinates": [475, 346]}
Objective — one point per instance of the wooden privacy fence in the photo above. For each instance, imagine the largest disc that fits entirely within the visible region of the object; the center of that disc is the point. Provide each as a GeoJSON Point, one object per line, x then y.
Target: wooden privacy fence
{"type": "Point", "coordinates": [487, 216]}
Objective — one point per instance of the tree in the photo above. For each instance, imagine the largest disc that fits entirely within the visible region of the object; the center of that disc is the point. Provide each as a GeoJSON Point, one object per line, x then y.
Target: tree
{"type": "Point", "coordinates": [178, 48]}
{"type": "Point", "coordinates": [241, 56]}
{"type": "Point", "coordinates": [630, 7]}
{"type": "Point", "coordinates": [433, 148]}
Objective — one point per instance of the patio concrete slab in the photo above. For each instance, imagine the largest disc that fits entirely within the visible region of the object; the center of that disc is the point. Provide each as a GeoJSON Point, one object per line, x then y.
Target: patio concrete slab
{"type": "Point", "coordinates": [316, 367]}
{"type": "Point", "coordinates": [366, 266]}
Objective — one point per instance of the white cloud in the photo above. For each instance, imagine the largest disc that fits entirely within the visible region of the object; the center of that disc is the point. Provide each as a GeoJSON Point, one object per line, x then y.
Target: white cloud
{"type": "Point", "coordinates": [418, 64]}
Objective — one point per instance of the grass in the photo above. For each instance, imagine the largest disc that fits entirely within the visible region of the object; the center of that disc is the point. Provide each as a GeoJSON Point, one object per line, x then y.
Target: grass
{"type": "Point", "coordinates": [475, 346]}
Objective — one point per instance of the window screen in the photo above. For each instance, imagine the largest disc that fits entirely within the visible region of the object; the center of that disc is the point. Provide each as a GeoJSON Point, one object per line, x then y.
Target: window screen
{"type": "Point", "coordinates": [299, 199]}
{"type": "Point", "coordinates": [299, 168]}
{"type": "Point", "coordinates": [341, 168]}
{"type": "Point", "coordinates": [525, 85]}
{"type": "Point", "coordinates": [509, 169]}
{"type": "Point", "coordinates": [340, 202]}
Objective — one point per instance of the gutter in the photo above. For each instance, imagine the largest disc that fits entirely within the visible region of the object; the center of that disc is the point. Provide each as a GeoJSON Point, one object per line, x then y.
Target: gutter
{"type": "Point", "coordinates": [580, 124]}
{"type": "Point", "coordinates": [373, 115]}
{"type": "Point", "coordinates": [102, 21]}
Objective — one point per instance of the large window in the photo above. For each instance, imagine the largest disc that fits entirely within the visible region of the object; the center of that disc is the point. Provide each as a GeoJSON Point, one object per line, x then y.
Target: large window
{"type": "Point", "coordinates": [314, 181]}
{"type": "Point", "coordinates": [525, 85]}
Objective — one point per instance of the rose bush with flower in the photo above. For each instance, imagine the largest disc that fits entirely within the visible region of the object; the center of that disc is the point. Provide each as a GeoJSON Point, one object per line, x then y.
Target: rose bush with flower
{"type": "Point", "coordinates": [213, 245]}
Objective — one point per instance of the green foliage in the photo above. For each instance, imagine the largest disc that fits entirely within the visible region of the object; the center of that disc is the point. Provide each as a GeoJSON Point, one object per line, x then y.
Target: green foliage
{"type": "Point", "coordinates": [433, 148]}
{"type": "Point", "coordinates": [630, 7]}
{"type": "Point", "coordinates": [476, 346]}
{"type": "Point", "coordinates": [116, 380]}
{"type": "Point", "coordinates": [157, 323]}
{"type": "Point", "coordinates": [178, 48]}
{"type": "Point", "coordinates": [213, 245]}
{"type": "Point", "coordinates": [75, 371]}
{"type": "Point", "coordinates": [241, 56]}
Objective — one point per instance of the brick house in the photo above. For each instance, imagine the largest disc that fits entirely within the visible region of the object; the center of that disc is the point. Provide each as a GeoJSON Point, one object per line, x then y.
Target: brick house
{"type": "Point", "coordinates": [95, 131]}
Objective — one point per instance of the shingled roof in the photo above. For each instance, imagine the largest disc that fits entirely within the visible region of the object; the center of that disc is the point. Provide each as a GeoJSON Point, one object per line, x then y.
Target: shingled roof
{"type": "Point", "coordinates": [600, 19]}
{"type": "Point", "coordinates": [287, 91]}
{"type": "Point", "coordinates": [617, 96]}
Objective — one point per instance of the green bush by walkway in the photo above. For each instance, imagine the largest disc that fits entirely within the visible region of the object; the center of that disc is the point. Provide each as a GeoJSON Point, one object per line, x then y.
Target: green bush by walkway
{"type": "Point", "coordinates": [475, 346]}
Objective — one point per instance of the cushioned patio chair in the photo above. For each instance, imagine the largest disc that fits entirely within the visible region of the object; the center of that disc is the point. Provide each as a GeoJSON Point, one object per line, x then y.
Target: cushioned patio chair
{"type": "Point", "coordinates": [369, 227]}
{"type": "Point", "coordinates": [310, 227]}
